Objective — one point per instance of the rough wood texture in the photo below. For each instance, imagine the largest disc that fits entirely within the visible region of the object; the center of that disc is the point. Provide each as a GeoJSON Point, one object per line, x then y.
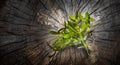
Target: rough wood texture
{"type": "Point", "coordinates": [25, 26]}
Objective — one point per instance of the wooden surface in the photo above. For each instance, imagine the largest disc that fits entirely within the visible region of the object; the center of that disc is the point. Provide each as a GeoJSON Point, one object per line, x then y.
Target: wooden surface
{"type": "Point", "coordinates": [25, 26]}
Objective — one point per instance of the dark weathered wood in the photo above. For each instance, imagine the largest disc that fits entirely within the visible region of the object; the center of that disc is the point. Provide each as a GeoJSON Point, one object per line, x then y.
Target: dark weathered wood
{"type": "Point", "coordinates": [25, 26]}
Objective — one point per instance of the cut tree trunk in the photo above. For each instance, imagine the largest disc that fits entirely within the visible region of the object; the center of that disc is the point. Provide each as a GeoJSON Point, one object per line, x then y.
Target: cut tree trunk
{"type": "Point", "coordinates": [25, 26]}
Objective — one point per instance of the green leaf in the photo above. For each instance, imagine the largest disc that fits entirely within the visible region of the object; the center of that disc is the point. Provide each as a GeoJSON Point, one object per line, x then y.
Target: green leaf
{"type": "Point", "coordinates": [77, 27]}
{"type": "Point", "coordinates": [71, 29]}
{"type": "Point", "coordinates": [89, 30]}
{"type": "Point", "coordinates": [65, 24]}
{"type": "Point", "coordinates": [84, 27]}
{"type": "Point", "coordinates": [61, 30]}
{"type": "Point", "coordinates": [76, 15]}
{"type": "Point", "coordinates": [72, 17]}
{"type": "Point", "coordinates": [92, 19]}
{"type": "Point", "coordinates": [67, 36]}
{"type": "Point", "coordinates": [67, 42]}
{"type": "Point", "coordinates": [78, 20]}
{"type": "Point", "coordinates": [54, 32]}
{"type": "Point", "coordinates": [81, 17]}
{"type": "Point", "coordinates": [70, 24]}
{"type": "Point", "coordinates": [76, 40]}
{"type": "Point", "coordinates": [83, 42]}
{"type": "Point", "coordinates": [54, 43]}
{"type": "Point", "coordinates": [87, 17]}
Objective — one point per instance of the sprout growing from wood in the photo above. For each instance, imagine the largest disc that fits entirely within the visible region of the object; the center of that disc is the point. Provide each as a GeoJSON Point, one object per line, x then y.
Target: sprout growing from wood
{"type": "Point", "coordinates": [74, 33]}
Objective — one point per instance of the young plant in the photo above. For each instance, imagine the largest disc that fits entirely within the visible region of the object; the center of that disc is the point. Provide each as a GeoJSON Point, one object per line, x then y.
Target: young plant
{"type": "Point", "coordinates": [74, 33]}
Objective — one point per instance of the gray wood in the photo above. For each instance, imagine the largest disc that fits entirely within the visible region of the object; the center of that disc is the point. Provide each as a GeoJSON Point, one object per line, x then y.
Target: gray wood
{"type": "Point", "coordinates": [25, 26]}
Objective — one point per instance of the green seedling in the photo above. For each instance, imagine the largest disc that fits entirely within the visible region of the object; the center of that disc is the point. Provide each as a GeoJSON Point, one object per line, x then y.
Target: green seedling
{"type": "Point", "coordinates": [74, 32]}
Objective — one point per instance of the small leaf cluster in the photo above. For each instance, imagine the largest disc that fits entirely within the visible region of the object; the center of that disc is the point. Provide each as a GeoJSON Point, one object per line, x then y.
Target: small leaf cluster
{"type": "Point", "coordinates": [74, 33]}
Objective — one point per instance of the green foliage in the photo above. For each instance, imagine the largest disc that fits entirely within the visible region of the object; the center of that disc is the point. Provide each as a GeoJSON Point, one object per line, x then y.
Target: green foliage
{"type": "Point", "coordinates": [74, 33]}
